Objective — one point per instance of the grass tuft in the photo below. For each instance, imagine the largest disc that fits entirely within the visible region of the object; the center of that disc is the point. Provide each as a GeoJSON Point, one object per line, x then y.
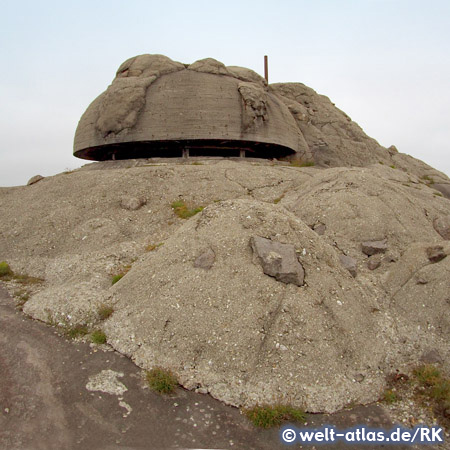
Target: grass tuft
{"type": "Point", "coordinates": [76, 331]}
{"type": "Point", "coordinates": [390, 396]}
{"type": "Point", "coordinates": [5, 269]}
{"type": "Point", "coordinates": [182, 211]}
{"type": "Point", "coordinates": [434, 387]}
{"type": "Point", "coordinates": [116, 278]}
{"type": "Point", "coordinates": [104, 311]}
{"type": "Point", "coordinates": [120, 275]}
{"type": "Point", "coordinates": [98, 337]}
{"type": "Point", "coordinates": [270, 416]}
{"type": "Point", "coordinates": [161, 380]}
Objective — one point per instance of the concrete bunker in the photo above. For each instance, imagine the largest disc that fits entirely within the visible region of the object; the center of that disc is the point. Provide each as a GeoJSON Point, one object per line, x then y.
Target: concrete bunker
{"type": "Point", "coordinates": [156, 107]}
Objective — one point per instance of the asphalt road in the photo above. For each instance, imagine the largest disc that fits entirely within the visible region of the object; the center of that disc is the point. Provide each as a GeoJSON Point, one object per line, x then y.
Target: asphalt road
{"type": "Point", "coordinates": [46, 405]}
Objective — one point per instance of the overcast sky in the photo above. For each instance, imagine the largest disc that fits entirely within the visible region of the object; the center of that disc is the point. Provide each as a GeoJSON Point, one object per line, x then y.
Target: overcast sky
{"type": "Point", "coordinates": [385, 63]}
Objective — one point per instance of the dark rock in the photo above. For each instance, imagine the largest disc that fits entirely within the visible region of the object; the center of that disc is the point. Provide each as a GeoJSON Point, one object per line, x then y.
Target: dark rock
{"type": "Point", "coordinates": [442, 226]}
{"type": "Point", "coordinates": [421, 280]}
{"type": "Point", "coordinates": [320, 228]}
{"type": "Point", "coordinates": [35, 179]}
{"type": "Point", "coordinates": [372, 247]}
{"type": "Point", "coordinates": [436, 253]}
{"type": "Point", "coordinates": [278, 260]}
{"type": "Point", "coordinates": [374, 262]}
{"type": "Point", "coordinates": [431, 357]}
{"type": "Point", "coordinates": [132, 203]}
{"type": "Point", "coordinates": [349, 263]}
{"type": "Point", "coordinates": [359, 377]}
{"type": "Point", "coordinates": [205, 260]}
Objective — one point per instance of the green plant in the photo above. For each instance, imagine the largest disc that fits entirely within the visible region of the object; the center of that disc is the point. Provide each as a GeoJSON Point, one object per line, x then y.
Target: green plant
{"type": "Point", "coordinates": [104, 311]}
{"type": "Point", "coordinates": [437, 194]}
{"type": "Point", "coordinates": [116, 278]}
{"type": "Point", "coordinates": [434, 387]}
{"type": "Point", "coordinates": [197, 163]}
{"type": "Point", "coordinates": [98, 337]}
{"type": "Point", "coordinates": [182, 211]}
{"type": "Point", "coordinates": [392, 166]}
{"type": "Point", "coordinates": [75, 331]}
{"type": "Point", "coordinates": [5, 269]}
{"type": "Point", "coordinates": [427, 375]}
{"type": "Point", "coordinates": [161, 380]}
{"type": "Point", "coordinates": [121, 274]}
{"type": "Point", "coordinates": [390, 396]}
{"type": "Point", "coordinates": [270, 416]}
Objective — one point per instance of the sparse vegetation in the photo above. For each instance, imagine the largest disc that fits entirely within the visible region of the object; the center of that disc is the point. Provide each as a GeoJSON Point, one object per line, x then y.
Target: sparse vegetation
{"type": "Point", "coordinates": [120, 275]}
{"type": "Point", "coordinates": [161, 380]}
{"type": "Point", "coordinates": [427, 179]}
{"type": "Point", "coordinates": [434, 389]}
{"type": "Point", "coordinates": [116, 278]}
{"type": "Point", "coordinates": [390, 396]}
{"type": "Point", "coordinates": [104, 311]}
{"type": "Point", "coordinates": [182, 211]}
{"type": "Point", "coordinates": [75, 331]}
{"type": "Point", "coordinates": [197, 163]}
{"type": "Point", "coordinates": [297, 163]}
{"type": "Point", "coordinates": [98, 337]}
{"type": "Point", "coordinates": [7, 274]}
{"type": "Point", "coordinates": [22, 296]}
{"type": "Point", "coordinates": [5, 269]}
{"type": "Point", "coordinates": [151, 247]}
{"type": "Point", "coordinates": [392, 166]}
{"type": "Point", "coordinates": [437, 194]}
{"type": "Point", "coordinates": [270, 416]}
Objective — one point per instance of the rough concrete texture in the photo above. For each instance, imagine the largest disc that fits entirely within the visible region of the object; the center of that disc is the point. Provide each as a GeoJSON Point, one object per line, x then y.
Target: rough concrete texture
{"type": "Point", "coordinates": [47, 404]}
{"type": "Point", "coordinates": [225, 327]}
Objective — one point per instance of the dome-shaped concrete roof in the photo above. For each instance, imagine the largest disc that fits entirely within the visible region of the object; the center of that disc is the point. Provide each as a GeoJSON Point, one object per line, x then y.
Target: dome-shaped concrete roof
{"type": "Point", "coordinates": [158, 107]}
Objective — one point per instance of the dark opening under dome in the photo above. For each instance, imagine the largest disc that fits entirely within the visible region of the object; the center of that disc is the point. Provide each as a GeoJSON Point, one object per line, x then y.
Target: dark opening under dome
{"type": "Point", "coordinates": [156, 107]}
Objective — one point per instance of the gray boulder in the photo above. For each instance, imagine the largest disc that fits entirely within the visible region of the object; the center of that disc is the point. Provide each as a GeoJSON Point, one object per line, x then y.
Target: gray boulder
{"type": "Point", "coordinates": [278, 260]}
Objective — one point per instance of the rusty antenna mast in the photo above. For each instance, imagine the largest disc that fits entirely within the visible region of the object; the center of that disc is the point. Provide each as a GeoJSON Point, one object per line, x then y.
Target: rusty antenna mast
{"type": "Point", "coordinates": [266, 68]}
